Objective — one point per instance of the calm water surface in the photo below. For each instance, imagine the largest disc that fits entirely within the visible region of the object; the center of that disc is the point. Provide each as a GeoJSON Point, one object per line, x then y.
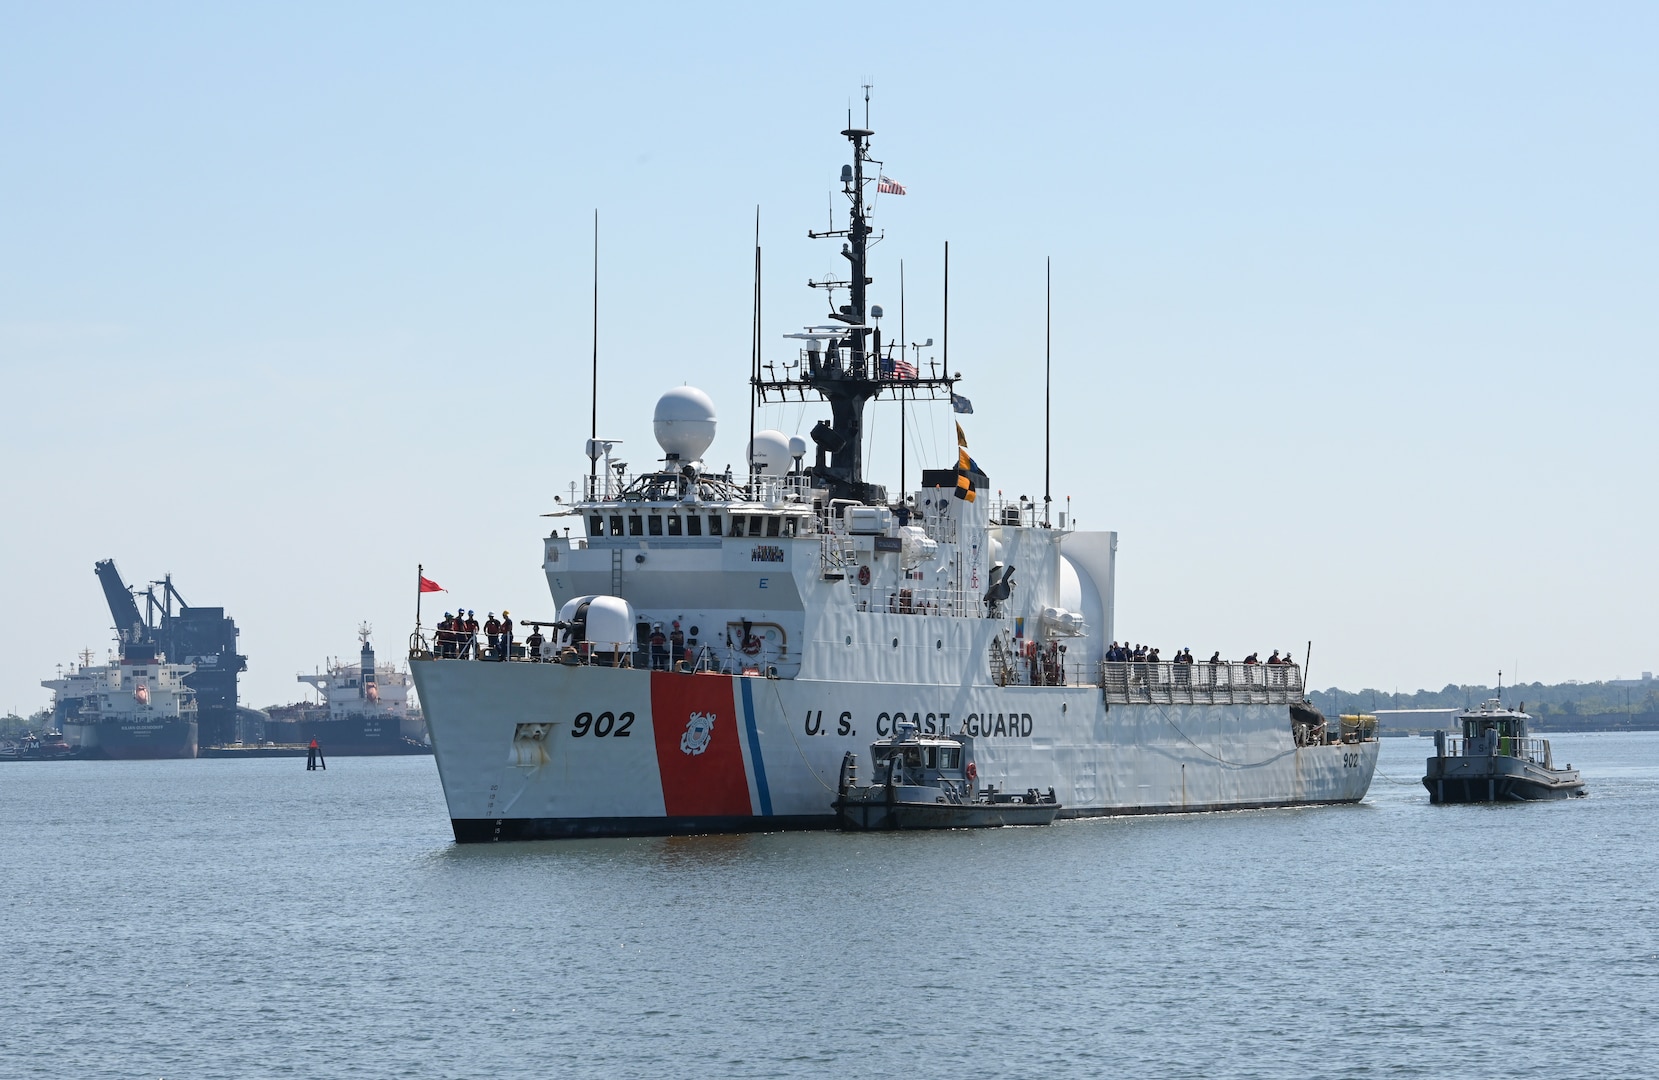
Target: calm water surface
{"type": "Point", "coordinates": [234, 919]}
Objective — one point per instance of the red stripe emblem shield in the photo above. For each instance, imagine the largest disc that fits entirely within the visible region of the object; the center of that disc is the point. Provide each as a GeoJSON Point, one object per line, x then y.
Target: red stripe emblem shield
{"type": "Point", "coordinates": [699, 756]}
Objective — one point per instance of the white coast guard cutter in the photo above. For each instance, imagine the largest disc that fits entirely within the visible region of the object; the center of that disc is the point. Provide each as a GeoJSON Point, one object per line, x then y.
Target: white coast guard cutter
{"type": "Point", "coordinates": [720, 646]}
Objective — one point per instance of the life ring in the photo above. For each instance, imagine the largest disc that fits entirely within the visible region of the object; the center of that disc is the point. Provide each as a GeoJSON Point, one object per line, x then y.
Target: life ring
{"type": "Point", "coordinates": [864, 575]}
{"type": "Point", "coordinates": [751, 645]}
{"type": "Point", "coordinates": [973, 771]}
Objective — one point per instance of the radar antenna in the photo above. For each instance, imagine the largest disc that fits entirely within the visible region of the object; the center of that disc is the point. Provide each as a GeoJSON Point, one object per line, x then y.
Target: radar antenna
{"type": "Point", "coordinates": [843, 362]}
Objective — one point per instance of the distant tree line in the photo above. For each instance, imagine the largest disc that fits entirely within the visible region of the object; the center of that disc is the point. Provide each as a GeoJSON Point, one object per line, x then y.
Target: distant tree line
{"type": "Point", "coordinates": [12, 726]}
{"type": "Point", "coordinates": [1542, 701]}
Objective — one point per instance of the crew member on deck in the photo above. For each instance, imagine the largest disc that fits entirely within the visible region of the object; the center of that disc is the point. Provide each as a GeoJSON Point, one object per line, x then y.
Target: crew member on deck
{"type": "Point", "coordinates": [470, 629]}
{"type": "Point", "coordinates": [659, 648]}
{"type": "Point", "coordinates": [492, 633]}
{"type": "Point", "coordinates": [532, 645]}
{"type": "Point", "coordinates": [506, 635]}
{"type": "Point", "coordinates": [446, 628]}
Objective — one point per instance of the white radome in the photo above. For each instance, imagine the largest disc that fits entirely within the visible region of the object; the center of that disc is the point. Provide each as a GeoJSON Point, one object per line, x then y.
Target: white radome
{"type": "Point", "coordinates": [770, 452]}
{"type": "Point", "coordinates": [684, 423]}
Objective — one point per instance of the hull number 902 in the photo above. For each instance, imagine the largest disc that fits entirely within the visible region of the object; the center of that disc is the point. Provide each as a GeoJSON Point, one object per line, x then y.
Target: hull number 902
{"type": "Point", "coordinates": [612, 725]}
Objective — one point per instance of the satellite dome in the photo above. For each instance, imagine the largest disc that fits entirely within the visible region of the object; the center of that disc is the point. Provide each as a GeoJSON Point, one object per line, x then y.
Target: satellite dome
{"type": "Point", "coordinates": [797, 447]}
{"type": "Point", "coordinates": [684, 423]}
{"type": "Point", "coordinates": [769, 453]}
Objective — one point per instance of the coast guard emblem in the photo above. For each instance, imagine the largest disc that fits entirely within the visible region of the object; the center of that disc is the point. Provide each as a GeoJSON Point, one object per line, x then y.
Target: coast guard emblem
{"type": "Point", "coordinates": [698, 731]}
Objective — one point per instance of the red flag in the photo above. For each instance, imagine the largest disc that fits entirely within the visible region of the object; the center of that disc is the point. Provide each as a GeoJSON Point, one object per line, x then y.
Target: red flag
{"type": "Point", "coordinates": [428, 585]}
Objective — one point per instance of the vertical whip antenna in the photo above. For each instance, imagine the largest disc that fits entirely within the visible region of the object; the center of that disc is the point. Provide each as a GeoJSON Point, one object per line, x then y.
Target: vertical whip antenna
{"type": "Point", "coordinates": [904, 342]}
{"type": "Point", "coordinates": [754, 351]}
{"type": "Point", "coordinates": [945, 336]}
{"type": "Point", "coordinates": [593, 431]}
{"type": "Point", "coordinates": [1048, 383]}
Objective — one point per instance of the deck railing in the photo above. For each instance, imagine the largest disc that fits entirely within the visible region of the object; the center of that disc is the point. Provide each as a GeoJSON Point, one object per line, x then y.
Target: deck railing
{"type": "Point", "coordinates": [1199, 683]}
{"type": "Point", "coordinates": [1123, 682]}
{"type": "Point", "coordinates": [1537, 751]}
{"type": "Point", "coordinates": [617, 654]}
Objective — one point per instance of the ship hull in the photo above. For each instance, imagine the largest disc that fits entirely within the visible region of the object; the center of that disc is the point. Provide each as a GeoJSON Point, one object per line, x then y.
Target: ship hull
{"type": "Point", "coordinates": [533, 751]}
{"type": "Point", "coordinates": [137, 740]}
{"type": "Point", "coordinates": [352, 736]}
{"type": "Point", "coordinates": [869, 810]}
{"type": "Point", "coordinates": [1452, 780]}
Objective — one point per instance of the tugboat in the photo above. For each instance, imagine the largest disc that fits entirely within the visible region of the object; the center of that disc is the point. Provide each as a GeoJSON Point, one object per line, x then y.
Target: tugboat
{"type": "Point", "coordinates": [1496, 761]}
{"type": "Point", "coordinates": [927, 782]}
{"type": "Point", "coordinates": [49, 745]}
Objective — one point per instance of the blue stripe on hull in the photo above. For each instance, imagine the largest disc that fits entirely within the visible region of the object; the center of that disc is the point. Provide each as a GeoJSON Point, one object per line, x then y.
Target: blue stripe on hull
{"type": "Point", "coordinates": [754, 748]}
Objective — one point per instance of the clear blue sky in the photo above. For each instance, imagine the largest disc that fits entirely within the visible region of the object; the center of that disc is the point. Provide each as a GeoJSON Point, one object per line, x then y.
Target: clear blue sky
{"type": "Point", "coordinates": [1356, 307]}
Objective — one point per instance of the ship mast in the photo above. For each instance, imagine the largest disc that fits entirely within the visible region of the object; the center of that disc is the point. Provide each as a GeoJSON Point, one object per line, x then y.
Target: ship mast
{"type": "Point", "coordinates": [844, 362]}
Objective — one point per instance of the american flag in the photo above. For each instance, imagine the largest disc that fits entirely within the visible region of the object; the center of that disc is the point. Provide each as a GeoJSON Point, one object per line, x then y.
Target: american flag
{"type": "Point", "coordinates": [890, 187]}
{"type": "Point", "coordinates": [903, 369]}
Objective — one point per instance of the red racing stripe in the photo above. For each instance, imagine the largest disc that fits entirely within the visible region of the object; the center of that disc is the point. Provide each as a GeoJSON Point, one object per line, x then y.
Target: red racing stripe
{"type": "Point", "coordinates": [699, 755]}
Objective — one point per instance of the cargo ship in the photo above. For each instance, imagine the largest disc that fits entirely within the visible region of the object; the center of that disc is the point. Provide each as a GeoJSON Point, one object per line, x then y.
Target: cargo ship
{"type": "Point", "coordinates": [362, 708]}
{"type": "Point", "coordinates": [135, 708]}
{"type": "Point", "coordinates": [201, 638]}
{"type": "Point", "coordinates": [812, 611]}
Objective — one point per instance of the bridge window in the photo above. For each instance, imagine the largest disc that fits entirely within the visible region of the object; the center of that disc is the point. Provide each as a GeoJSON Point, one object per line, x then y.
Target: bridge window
{"type": "Point", "coordinates": [773, 525]}
{"type": "Point", "coordinates": [714, 524]}
{"type": "Point", "coordinates": [737, 526]}
{"type": "Point", "coordinates": [636, 525]}
{"type": "Point", "coordinates": [693, 525]}
{"type": "Point", "coordinates": [655, 523]}
{"type": "Point", "coordinates": [616, 525]}
{"type": "Point", "coordinates": [755, 525]}
{"type": "Point", "coordinates": [673, 525]}
{"type": "Point", "coordinates": [596, 525]}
